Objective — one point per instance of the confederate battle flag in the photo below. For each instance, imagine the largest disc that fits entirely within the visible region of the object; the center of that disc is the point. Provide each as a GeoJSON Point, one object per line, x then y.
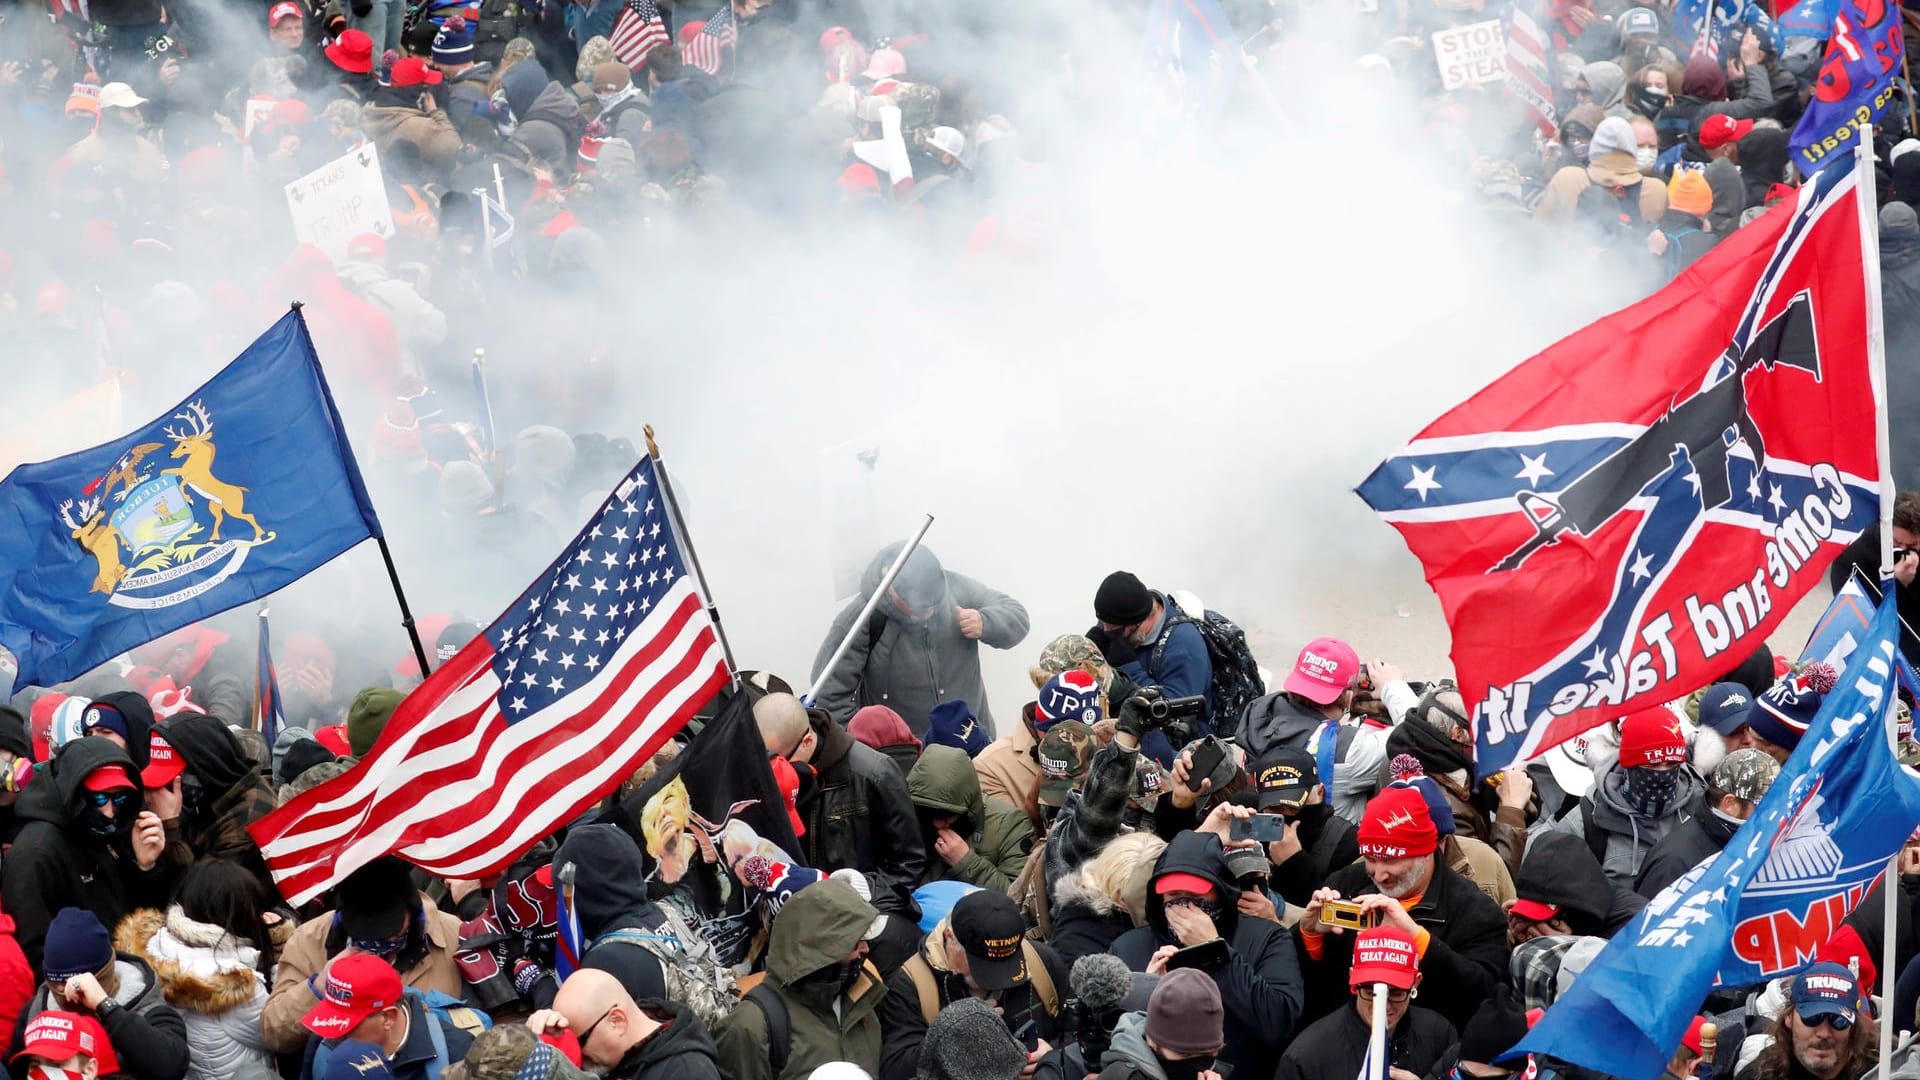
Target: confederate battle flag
{"type": "Point", "coordinates": [1623, 518]}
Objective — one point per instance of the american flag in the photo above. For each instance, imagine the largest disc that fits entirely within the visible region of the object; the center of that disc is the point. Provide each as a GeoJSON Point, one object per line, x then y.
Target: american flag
{"type": "Point", "coordinates": [1527, 70]}
{"type": "Point", "coordinates": [719, 35]}
{"type": "Point", "coordinates": [639, 32]}
{"type": "Point", "coordinates": [599, 662]}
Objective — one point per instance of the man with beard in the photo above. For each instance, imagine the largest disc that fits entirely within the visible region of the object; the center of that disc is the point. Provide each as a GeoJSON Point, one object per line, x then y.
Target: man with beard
{"type": "Point", "coordinates": [921, 645]}
{"type": "Point", "coordinates": [1461, 934]}
{"type": "Point", "coordinates": [627, 1039]}
{"type": "Point", "coordinates": [1823, 1034]}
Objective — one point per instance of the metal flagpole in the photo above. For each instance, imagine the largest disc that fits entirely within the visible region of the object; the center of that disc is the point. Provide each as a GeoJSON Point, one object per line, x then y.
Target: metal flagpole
{"type": "Point", "coordinates": [1877, 371]}
{"type": "Point", "coordinates": [486, 225]}
{"type": "Point", "coordinates": [860, 622]}
{"type": "Point", "coordinates": [693, 558]}
{"type": "Point", "coordinates": [259, 673]}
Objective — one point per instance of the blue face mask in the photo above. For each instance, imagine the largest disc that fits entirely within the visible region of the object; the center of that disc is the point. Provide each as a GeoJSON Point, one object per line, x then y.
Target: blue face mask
{"type": "Point", "coordinates": [379, 946]}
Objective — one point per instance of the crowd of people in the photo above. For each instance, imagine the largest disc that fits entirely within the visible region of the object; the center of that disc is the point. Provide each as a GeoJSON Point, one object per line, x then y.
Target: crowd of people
{"type": "Point", "coordinates": [1143, 873]}
{"type": "Point", "coordinates": [1168, 864]}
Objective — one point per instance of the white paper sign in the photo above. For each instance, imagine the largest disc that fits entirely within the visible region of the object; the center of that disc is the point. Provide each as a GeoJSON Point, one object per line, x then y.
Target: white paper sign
{"type": "Point", "coordinates": [1471, 54]}
{"type": "Point", "coordinates": [337, 202]}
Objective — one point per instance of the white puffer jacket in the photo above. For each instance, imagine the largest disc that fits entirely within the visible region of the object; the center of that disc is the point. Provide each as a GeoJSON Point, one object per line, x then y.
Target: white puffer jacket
{"type": "Point", "coordinates": [210, 977]}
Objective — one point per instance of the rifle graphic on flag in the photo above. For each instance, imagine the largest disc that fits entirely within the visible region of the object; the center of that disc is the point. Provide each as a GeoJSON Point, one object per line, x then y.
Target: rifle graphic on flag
{"type": "Point", "coordinates": [1610, 527]}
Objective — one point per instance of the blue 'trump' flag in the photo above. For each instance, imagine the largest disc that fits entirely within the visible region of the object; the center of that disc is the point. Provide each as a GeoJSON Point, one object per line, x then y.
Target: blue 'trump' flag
{"type": "Point", "coordinates": [246, 486]}
{"type": "Point", "coordinates": [1839, 809]}
{"type": "Point", "coordinates": [1858, 79]}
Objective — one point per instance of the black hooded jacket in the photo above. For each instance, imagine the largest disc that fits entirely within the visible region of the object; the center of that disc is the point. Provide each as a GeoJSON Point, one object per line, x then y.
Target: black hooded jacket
{"type": "Point", "coordinates": [1682, 849]}
{"type": "Point", "coordinates": [1560, 870]}
{"type": "Point", "coordinates": [682, 1050]}
{"type": "Point", "coordinates": [1260, 984]}
{"type": "Point", "coordinates": [1327, 843]}
{"type": "Point", "coordinates": [610, 893]}
{"type": "Point", "coordinates": [140, 725]}
{"type": "Point", "coordinates": [223, 792]}
{"type": "Point", "coordinates": [1336, 1045]}
{"type": "Point", "coordinates": [55, 862]}
{"type": "Point", "coordinates": [1466, 953]}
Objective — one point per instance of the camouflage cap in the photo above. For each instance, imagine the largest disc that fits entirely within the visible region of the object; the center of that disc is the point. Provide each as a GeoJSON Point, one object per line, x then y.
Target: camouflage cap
{"type": "Point", "coordinates": [1745, 774]}
{"type": "Point", "coordinates": [499, 1052]}
{"type": "Point", "coordinates": [1063, 756]}
{"type": "Point", "coordinates": [1150, 781]}
{"type": "Point", "coordinates": [1071, 651]}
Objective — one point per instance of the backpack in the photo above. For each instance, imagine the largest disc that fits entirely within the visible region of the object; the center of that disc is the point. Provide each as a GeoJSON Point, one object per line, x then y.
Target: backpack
{"type": "Point", "coordinates": [1672, 259]}
{"type": "Point", "coordinates": [928, 988]}
{"type": "Point", "coordinates": [1029, 891]}
{"type": "Point", "coordinates": [455, 1013]}
{"type": "Point", "coordinates": [779, 1025]}
{"type": "Point", "coordinates": [693, 973]}
{"type": "Point", "coordinates": [1236, 676]}
{"type": "Point", "coordinates": [1609, 219]}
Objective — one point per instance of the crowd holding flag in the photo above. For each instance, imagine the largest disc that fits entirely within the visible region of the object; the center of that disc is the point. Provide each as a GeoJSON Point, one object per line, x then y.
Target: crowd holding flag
{"type": "Point", "coordinates": [1608, 527]}
{"type": "Point", "coordinates": [243, 487]}
{"type": "Point", "coordinates": [1819, 840]}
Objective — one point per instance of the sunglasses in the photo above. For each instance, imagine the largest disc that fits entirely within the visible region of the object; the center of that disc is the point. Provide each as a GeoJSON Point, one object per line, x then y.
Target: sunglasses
{"type": "Point", "coordinates": [588, 1033]}
{"type": "Point", "coordinates": [119, 799]}
{"type": "Point", "coordinates": [1837, 1023]}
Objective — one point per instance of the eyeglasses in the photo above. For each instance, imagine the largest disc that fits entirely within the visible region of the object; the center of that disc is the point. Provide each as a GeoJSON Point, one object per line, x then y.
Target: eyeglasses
{"type": "Point", "coordinates": [1832, 1020]}
{"type": "Point", "coordinates": [588, 1033]}
{"type": "Point", "coordinates": [119, 799]}
{"type": "Point", "coordinates": [1394, 994]}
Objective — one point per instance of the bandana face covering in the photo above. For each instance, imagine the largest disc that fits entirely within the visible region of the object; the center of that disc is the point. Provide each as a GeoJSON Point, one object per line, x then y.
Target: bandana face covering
{"type": "Point", "coordinates": [1185, 1068]}
{"type": "Point", "coordinates": [1650, 793]}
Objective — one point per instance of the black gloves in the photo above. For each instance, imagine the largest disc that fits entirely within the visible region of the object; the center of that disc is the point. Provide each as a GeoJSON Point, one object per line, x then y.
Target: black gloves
{"type": "Point", "coordinates": [1112, 645]}
{"type": "Point", "coordinates": [1136, 714]}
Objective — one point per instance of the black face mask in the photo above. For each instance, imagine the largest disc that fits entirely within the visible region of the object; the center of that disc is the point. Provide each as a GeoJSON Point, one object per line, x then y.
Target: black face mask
{"type": "Point", "coordinates": [1185, 1068]}
{"type": "Point", "coordinates": [193, 797]}
{"type": "Point", "coordinates": [1650, 101]}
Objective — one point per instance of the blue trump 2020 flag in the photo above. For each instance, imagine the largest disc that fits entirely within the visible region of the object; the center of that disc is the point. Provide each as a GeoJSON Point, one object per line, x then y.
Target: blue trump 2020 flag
{"type": "Point", "coordinates": [1857, 81]}
{"type": "Point", "coordinates": [1764, 905]}
{"type": "Point", "coordinates": [245, 486]}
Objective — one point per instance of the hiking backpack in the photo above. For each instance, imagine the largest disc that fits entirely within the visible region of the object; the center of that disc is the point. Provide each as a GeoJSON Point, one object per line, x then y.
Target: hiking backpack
{"type": "Point", "coordinates": [693, 973]}
{"type": "Point", "coordinates": [1236, 676]}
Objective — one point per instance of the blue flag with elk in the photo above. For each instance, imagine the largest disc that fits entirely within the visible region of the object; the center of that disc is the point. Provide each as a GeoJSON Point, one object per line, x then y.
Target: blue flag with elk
{"type": "Point", "coordinates": [244, 487]}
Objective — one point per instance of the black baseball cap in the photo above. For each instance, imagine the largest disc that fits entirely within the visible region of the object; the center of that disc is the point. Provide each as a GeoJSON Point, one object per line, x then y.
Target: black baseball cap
{"type": "Point", "coordinates": [1285, 776]}
{"type": "Point", "coordinates": [990, 929]}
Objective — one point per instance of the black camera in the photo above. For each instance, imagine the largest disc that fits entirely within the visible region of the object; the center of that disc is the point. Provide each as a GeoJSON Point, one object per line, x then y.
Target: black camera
{"type": "Point", "coordinates": [1161, 710]}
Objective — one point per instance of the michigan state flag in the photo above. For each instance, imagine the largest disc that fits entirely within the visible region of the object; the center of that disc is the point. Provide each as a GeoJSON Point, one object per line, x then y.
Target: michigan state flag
{"type": "Point", "coordinates": [243, 487]}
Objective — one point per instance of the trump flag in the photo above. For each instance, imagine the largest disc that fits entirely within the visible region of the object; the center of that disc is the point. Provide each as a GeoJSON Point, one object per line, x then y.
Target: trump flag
{"type": "Point", "coordinates": [1764, 905]}
{"type": "Point", "coordinates": [243, 487]}
{"type": "Point", "coordinates": [1623, 518]}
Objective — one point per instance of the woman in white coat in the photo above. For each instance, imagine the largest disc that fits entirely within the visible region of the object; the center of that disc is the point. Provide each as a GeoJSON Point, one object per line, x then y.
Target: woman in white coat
{"type": "Point", "coordinates": [214, 959]}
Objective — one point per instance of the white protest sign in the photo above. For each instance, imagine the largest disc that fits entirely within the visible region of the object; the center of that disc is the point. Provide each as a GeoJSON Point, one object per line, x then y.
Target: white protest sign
{"type": "Point", "coordinates": [1471, 54]}
{"type": "Point", "coordinates": [337, 202]}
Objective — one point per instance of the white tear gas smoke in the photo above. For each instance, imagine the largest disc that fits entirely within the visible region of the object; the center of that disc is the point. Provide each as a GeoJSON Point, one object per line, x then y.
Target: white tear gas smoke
{"type": "Point", "coordinates": [1200, 333]}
